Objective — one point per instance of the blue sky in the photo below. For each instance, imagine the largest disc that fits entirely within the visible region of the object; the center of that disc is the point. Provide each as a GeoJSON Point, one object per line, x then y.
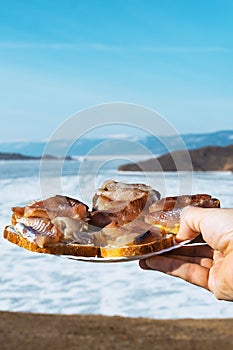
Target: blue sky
{"type": "Point", "coordinates": [58, 57]}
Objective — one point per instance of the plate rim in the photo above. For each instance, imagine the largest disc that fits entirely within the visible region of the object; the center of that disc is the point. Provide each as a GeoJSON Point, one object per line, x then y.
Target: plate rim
{"type": "Point", "coordinates": [96, 259]}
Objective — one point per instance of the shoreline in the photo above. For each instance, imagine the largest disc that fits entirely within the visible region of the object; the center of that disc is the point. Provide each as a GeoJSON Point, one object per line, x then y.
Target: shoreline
{"type": "Point", "coordinates": [24, 331]}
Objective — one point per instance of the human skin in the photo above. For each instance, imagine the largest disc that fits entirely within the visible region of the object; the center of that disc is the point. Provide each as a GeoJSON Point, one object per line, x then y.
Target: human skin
{"type": "Point", "coordinates": [208, 266]}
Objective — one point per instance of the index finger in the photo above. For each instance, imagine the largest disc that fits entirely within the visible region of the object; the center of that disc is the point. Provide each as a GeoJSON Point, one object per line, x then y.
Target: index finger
{"type": "Point", "coordinates": [194, 251]}
{"type": "Point", "coordinates": [190, 272]}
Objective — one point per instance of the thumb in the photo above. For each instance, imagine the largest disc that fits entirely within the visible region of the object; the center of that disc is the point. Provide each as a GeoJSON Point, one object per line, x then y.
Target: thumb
{"type": "Point", "coordinates": [189, 224]}
{"type": "Point", "coordinates": [216, 226]}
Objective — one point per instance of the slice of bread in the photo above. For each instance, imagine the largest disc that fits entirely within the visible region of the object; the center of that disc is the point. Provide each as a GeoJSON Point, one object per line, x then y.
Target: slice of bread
{"type": "Point", "coordinates": [166, 241]}
{"type": "Point", "coordinates": [59, 248]}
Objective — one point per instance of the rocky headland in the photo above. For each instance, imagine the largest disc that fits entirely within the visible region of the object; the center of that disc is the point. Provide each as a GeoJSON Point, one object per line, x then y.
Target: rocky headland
{"type": "Point", "coordinates": [19, 156]}
{"type": "Point", "coordinates": [210, 158]}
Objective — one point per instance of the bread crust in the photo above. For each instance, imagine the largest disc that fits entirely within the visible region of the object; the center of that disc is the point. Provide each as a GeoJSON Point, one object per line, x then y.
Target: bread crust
{"type": "Point", "coordinates": [138, 250]}
{"type": "Point", "coordinates": [55, 249]}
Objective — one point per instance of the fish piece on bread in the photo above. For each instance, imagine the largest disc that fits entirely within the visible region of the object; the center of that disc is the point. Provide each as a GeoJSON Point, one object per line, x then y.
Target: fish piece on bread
{"type": "Point", "coordinates": [53, 207]}
{"type": "Point", "coordinates": [56, 225]}
{"type": "Point", "coordinates": [121, 202]}
{"type": "Point", "coordinates": [175, 202]}
{"type": "Point", "coordinates": [166, 212]}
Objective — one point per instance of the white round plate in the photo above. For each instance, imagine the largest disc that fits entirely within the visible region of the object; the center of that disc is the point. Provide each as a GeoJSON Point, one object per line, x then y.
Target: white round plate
{"type": "Point", "coordinates": [96, 259]}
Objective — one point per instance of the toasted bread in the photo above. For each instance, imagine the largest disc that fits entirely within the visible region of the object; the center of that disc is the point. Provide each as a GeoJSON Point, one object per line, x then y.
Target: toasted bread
{"type": "Point", "coordinates": [165, 241]}
{"type": "Point", "coordinates": [59, 248]}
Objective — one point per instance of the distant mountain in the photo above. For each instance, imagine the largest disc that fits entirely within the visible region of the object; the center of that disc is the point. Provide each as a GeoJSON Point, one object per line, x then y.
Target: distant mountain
{"type": "Point", "coordinates": [210, 158]}
{"type": "Point", "coordinates": [218, 138]}
{"type": "Point", "coordinates": [103, 146]}
{"type": "Point", "coordinates": [15, 156]}
{"type": "Point", "coordinates": [20, 156]}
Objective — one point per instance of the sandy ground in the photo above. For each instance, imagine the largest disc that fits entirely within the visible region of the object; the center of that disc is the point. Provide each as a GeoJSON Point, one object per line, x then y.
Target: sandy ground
{"type": "Point", "coordinates": [36, 331]}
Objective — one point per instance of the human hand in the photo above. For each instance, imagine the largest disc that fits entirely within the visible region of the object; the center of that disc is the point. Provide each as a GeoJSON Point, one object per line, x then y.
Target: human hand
{"type": "Point", "coordinates": [208, 266]}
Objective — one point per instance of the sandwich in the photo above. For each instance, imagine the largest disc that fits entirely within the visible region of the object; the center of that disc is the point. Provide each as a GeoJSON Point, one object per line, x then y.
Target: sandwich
{"type": "Point", "coordinates": [166, 213]}
{"type": "Point", "coordinates": [57, 225]}
{"type": "Point", "coordinates": [126, 220]}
